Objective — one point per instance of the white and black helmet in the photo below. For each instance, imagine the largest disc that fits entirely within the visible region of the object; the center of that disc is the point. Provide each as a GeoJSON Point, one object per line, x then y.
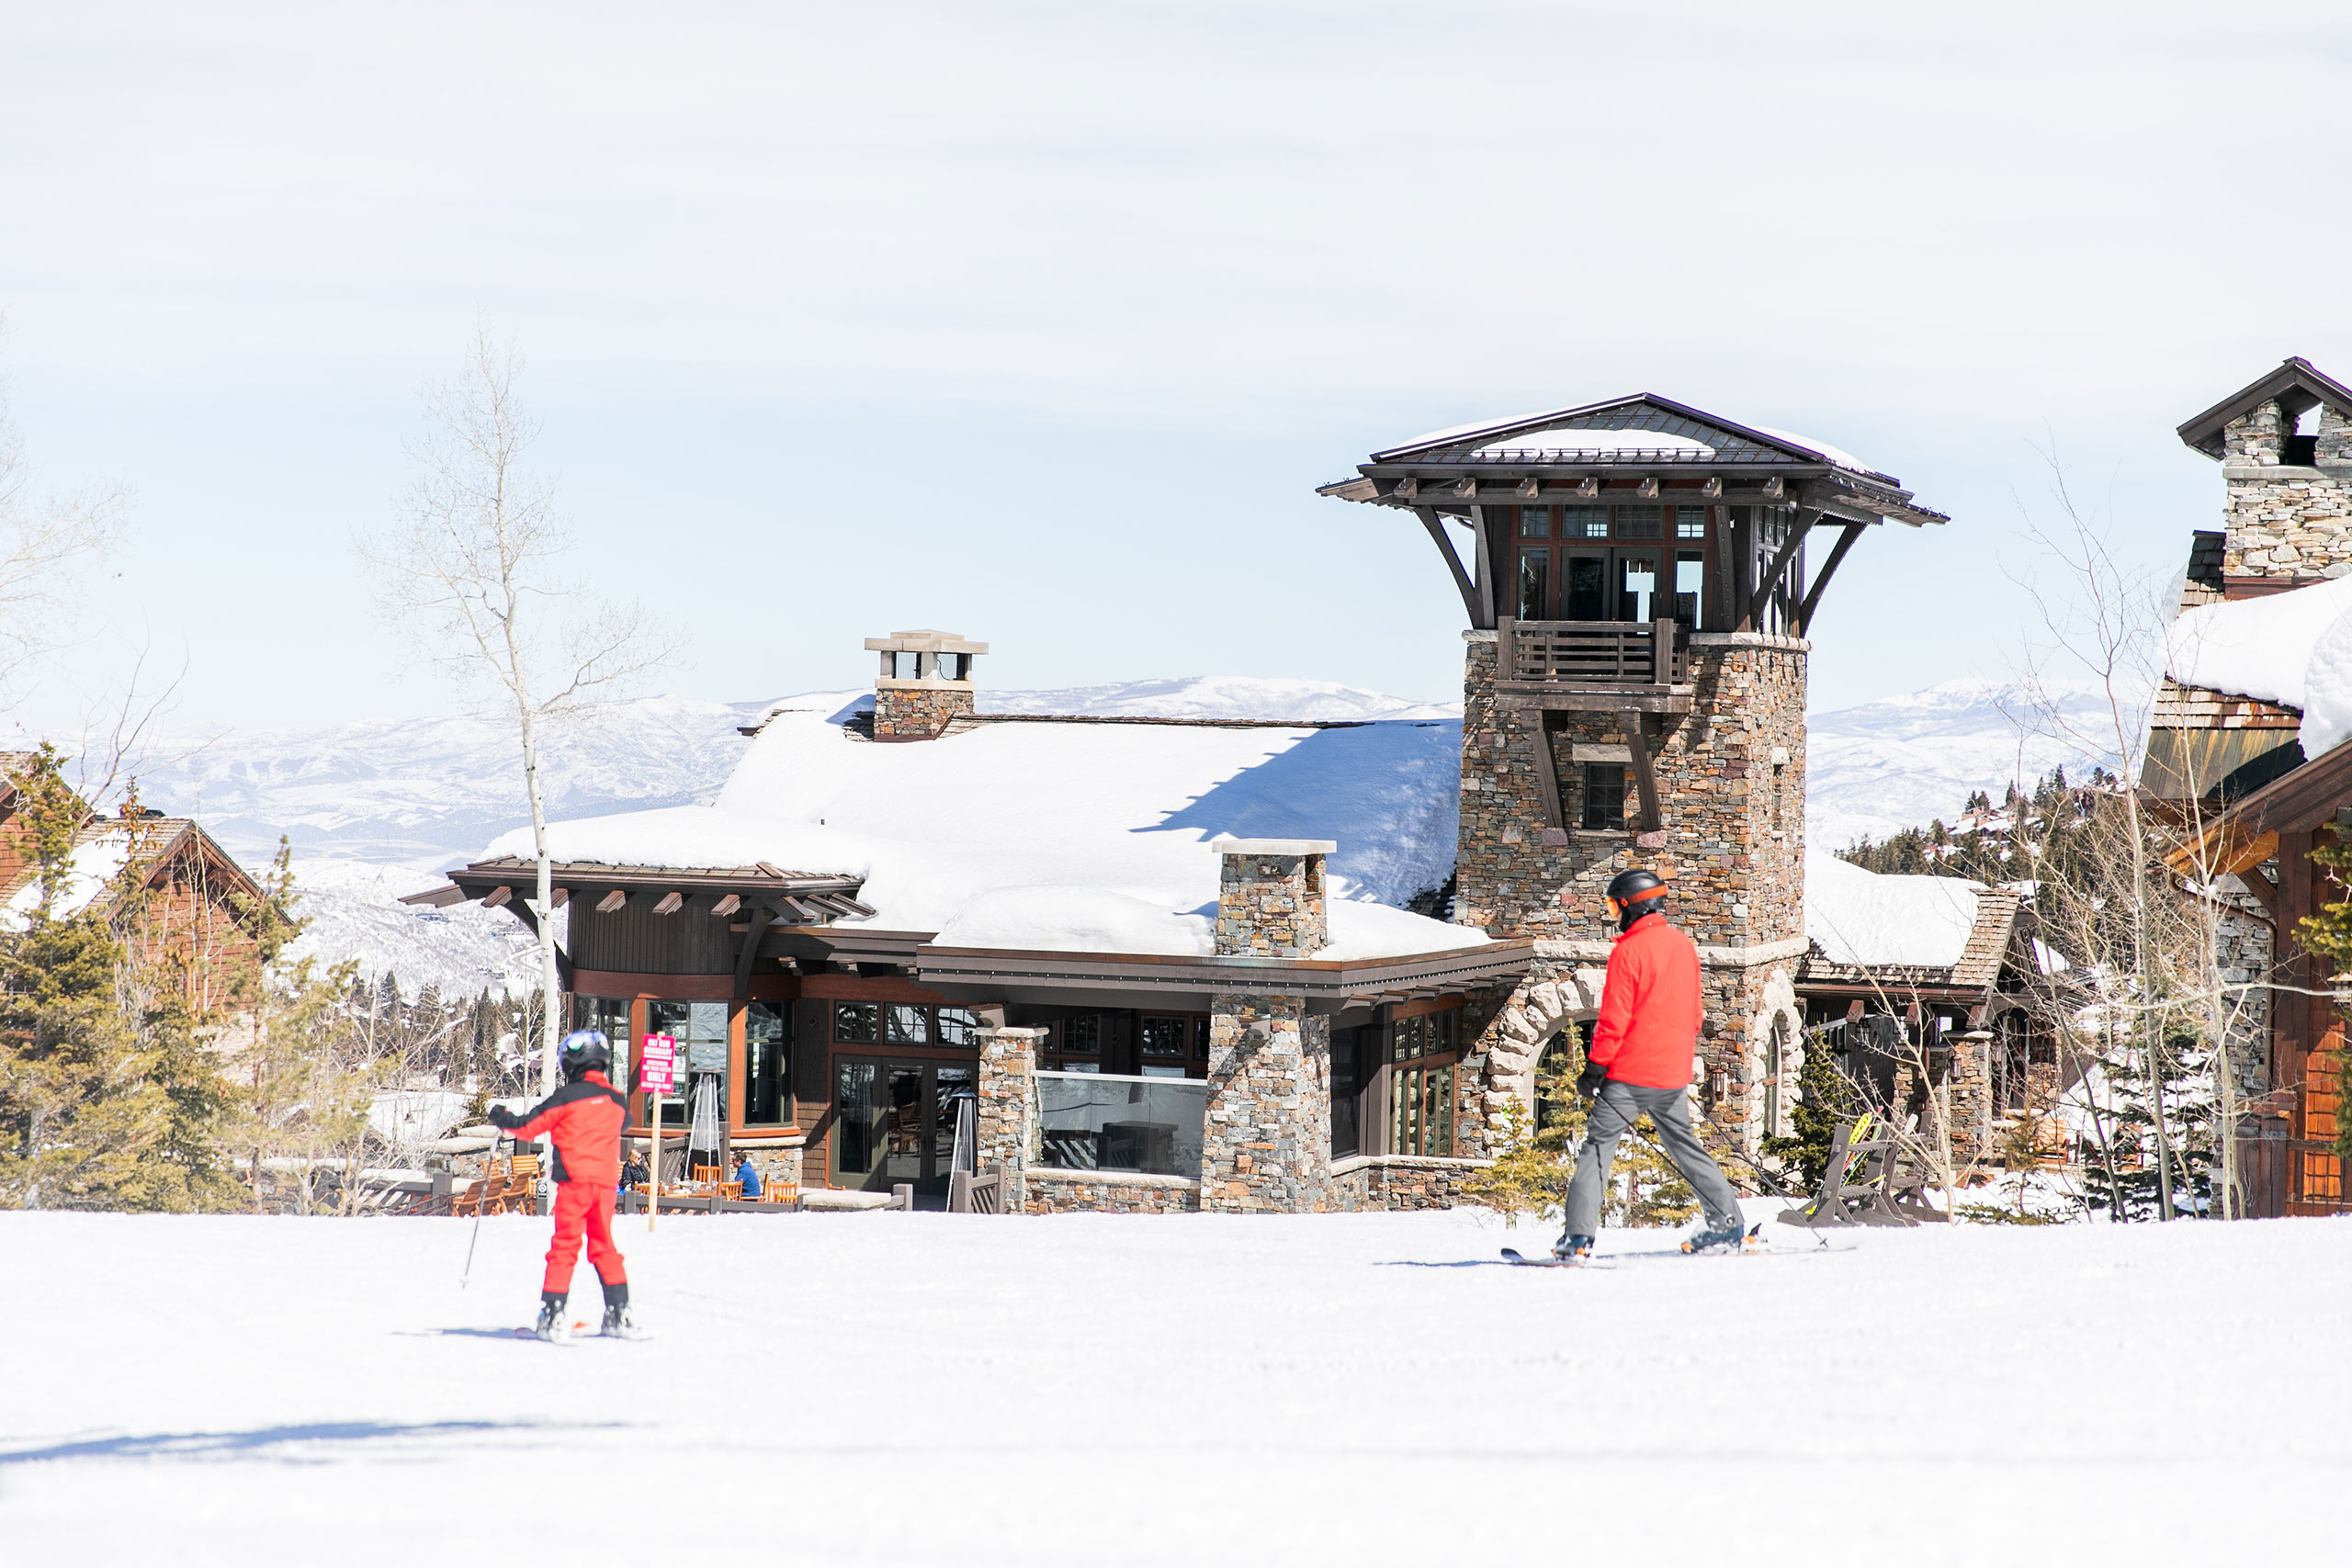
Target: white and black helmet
{"type": "Point", "coordinates": [585, 1051]}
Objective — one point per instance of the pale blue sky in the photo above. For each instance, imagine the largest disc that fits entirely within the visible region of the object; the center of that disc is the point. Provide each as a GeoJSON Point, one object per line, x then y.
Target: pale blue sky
{"type": "Point", "coordinates": [1042, 321]}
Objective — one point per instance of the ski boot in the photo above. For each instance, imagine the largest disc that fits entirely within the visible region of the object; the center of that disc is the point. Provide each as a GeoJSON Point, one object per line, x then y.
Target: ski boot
{"type": "Point", "coordinates": [617, 1324]}
{"type": "Point", "coordinates": [1731, 1237]}
{"type": "Point", "coordinates": [551, 1325]}
{"type": "Point", "coordinates": [1573, 1249]}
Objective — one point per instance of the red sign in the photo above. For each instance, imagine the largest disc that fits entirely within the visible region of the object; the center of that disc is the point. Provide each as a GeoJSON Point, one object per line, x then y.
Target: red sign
{"type": "Point", "coordinates": [658, 1064]}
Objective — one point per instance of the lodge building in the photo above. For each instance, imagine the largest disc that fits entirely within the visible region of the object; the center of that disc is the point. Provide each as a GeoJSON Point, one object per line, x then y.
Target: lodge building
{"type": "Point", "coordinates": [1178, 964]}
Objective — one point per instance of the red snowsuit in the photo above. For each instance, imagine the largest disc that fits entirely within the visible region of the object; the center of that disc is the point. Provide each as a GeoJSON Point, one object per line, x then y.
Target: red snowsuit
{"type": "Point", "coordinates": [584, 1119]}
{"type": "Point", "coordinates": [1650, 1007]}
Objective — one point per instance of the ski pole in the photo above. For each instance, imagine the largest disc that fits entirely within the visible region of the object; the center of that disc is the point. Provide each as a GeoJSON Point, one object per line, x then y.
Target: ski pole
{"type": "Point", "coordinates": [466, 1278]}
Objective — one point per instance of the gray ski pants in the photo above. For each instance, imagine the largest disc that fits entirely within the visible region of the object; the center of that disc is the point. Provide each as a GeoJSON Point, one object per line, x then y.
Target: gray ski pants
{"type": "Point", "coordinates": [1619, 1105]}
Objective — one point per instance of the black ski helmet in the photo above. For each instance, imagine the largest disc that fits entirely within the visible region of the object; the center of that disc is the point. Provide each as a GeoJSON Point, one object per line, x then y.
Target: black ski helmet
{"type": "Point", "coordinates": [1630, 887]}
{"type": "Point", "coordinates": [585, 1051]}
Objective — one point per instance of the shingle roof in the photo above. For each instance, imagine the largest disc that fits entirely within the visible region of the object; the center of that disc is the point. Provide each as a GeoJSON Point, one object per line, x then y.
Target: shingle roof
{"type": "Point", "coordinates": [2295, 385]}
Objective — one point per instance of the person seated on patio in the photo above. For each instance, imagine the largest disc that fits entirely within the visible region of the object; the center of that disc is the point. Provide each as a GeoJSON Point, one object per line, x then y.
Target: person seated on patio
{"type": "Point", "coordinates": [749, 1175]}
{"type": "Point", "coordinates": [633, 1173]}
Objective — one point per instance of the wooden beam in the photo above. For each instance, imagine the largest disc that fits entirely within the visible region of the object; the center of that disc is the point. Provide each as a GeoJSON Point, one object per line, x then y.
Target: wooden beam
{"type": "Point", "coordinates": [1714, 488]}
{"type": "Point", "coordinates": [1530, 487]}
{"type": "Point", "coordinates": [805, 911]}
{"type": "Point", "coordinates": [767, 870]}
{"type": "Point", "coordinates": [1548, 771]}
{"type": "Point", "coordinates": [1775, 488]}
{"type": "Point", "coordinates": [728, 905]}
{"type": "Point", "coordinates": [748, 954]}
{"type": "Point", "coordinates": [1647, 489]}
{"type": "Point", "coordinates": [1489, 571]}
{"type": "Point", "coordinates": [671, 903]}
{"type": "Point", "coordinates": [1637, 745]}
{"type": "Point", "coordinates": [1772, 579]}
{"type": "Point", "coordinates": [1469, 591]}
{"type": "Point", "coordinates": [1407, 488]}
{"type": "Point", "coordinates": [1828, 569]}
{"type": "Point", "coordinates": [611, 901]}
{"type": "Point", "coordinates": [1589, 486]}
{"type": "Point", "coordinates": [2265, 891]}
{"type": "Point", "coordinates": [562, 896]}
{"type": "Point", "coordinates": [496, 897]}
{"type": "Point", "coordinates": [1466, 487]}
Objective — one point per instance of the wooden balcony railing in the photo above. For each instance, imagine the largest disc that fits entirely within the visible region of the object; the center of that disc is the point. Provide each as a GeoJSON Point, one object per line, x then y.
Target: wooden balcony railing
{"type": "Point", "coordinates": [1592, 653]}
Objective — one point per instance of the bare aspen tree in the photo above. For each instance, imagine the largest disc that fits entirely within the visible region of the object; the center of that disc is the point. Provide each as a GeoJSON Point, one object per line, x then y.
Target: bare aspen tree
{"type": "Point", "coordinates": [470, 570]}
{"type": "Point", "coordinates": [46, 542]}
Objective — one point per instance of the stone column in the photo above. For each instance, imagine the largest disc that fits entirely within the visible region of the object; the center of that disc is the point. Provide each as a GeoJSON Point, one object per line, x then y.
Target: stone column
{"type": "Point", "coordinates": [1266, 1143]}
{"type": "Point", "coordinates": [1004, 1116]}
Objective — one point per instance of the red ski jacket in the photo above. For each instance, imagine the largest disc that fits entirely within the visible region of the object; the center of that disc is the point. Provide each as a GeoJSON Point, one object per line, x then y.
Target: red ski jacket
{"type": "Point", "coordinates": [584, 1119]}
{"type": "Point", "coordinates": [1650, 1010]}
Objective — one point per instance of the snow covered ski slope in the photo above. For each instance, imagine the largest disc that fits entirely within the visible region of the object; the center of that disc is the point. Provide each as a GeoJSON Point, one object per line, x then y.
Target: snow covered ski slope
{"type": "Point", "coordinates": [1090, 1389]}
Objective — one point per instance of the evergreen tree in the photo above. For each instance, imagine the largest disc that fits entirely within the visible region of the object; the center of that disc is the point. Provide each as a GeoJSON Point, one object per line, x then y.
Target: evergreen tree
{"type": "Point", "coordinates": [1825, 1097]}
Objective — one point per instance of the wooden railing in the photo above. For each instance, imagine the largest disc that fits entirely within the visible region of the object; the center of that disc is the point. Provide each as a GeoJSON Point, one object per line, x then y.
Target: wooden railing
{"type": "Point", "coordinates": [1592, 653]}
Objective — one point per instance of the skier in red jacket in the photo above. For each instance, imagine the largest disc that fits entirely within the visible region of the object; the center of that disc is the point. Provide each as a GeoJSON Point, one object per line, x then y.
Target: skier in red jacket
{"type": "Point", "coordinates": [1639, 1060]}
{"type": "Point", "coordinates": [583, 1119]}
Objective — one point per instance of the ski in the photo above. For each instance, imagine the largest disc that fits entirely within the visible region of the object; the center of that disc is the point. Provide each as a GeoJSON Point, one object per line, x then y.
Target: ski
{"type": "Point", "coordinates": [1754, 1247]}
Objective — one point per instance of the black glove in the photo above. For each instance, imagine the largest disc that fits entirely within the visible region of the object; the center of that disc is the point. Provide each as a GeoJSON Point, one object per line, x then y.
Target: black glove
{"type": "Point", "coordinates": [502, 1117]}
{"type": "Point", "coordinates": [1588, 1081]}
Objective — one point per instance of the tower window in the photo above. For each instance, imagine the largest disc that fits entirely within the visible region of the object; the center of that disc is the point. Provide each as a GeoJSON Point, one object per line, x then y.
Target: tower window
{"type": "Point", "coordinates": [1604, 796]}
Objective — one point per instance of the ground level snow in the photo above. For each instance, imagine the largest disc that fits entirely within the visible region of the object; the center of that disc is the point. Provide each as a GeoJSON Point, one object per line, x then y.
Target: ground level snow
{"type": "Point", "coordinates": [893, 1389]}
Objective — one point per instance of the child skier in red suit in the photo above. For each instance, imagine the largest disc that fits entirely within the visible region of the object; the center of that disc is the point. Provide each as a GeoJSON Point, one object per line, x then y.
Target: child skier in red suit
{"type": "Point", "coordinates": [583, 1119]}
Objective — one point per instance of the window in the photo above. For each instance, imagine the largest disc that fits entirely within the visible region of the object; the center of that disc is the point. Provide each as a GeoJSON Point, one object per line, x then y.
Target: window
{"type": "Point", "coordinates": [1165, 1043]}
{"type": "Point", "coordinates": [956, 1026]}
{"type": "Point", "coordinates": [767, 1063]}
{"type": "Point", "coordinates": [905, 1024]}
{"type": "Point", "coordinates": [1690, 522]}
{"type": "Point", "coordinates": [1690, 581]}
{"type": "Point", "coordinates": [1347, 1081]}
{"type": "Point", "coordinates": [905, 666]}
{"type": "Point", "coordinates": [949, 666]}
{"type": "Point", "coordinates": [611, 1015]}
{"type": "Point", "coordinates": [1637, 597]}
{"type": "Point", "coordinates": [857, 1023]}
{"type": "Point", "coordinates": [1535, 585]}
{"type": "Point", "coordinates": [1534, 521]}
{"type": "Point", "coordinates": [1422, 1052]}
{"type": "Point", "coordinates": [1604, 796]}
{"type": "Point", "coordinates": [700, 1030]}
{"type": "Point", "coordinates": [1640, 521]}
{"type": "Point", "coordinates": [1584, 523]}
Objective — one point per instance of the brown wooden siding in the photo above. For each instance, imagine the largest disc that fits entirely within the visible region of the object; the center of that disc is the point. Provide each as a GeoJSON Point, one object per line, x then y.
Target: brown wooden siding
{"type": "Point", "coordinates": [634, 940]}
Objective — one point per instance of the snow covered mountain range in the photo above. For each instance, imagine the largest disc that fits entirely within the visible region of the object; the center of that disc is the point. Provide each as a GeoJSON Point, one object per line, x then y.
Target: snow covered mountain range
{"type": "Point", "coordinates": [378, 808]}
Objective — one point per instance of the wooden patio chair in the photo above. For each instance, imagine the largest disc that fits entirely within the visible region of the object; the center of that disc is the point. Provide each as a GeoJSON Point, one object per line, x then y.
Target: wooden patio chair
{"type": "Point", "coordinates": [1872, 1200]}
{"type": "Point", "coordinates": [522, 1193]}
{"type": "Point", "coordinates": [470, 1201]}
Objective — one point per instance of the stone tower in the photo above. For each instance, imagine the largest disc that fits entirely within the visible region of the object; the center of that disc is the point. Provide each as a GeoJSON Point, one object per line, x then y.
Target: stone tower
{"type": "Point", "coordinates": [1633, 690]}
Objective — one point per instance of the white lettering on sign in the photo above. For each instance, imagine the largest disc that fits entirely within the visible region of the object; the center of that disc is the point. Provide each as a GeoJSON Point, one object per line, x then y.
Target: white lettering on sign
{"type": "Point", "coordinates": [660, 1063]}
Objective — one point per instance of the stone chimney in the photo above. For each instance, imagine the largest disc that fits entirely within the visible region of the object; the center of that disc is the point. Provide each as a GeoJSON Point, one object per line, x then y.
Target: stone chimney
{"type": "Point", "coordinates": [1269, 898]}
{"type": "Point", "coordinates": [925, 684]}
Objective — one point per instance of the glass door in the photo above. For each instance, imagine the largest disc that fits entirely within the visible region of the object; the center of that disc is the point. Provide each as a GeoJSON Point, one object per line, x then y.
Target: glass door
{"type": "Point", "coordinates": [895, 1122]}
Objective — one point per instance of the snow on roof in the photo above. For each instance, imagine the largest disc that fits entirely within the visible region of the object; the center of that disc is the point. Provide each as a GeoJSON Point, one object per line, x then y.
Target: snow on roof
{"type": "Point", "coordinates": [1856, 916]}
{"type": "Point", "coordinates": [1835, 455]}
{"type": "Point", "coordinates": [97, 860]}
{"type": "Point", "coordinates": [1564, 441]}
{"type": "Point", "coordinates": [2293, 648]}
{"type": "Point", "coordinates": [1069, 837]}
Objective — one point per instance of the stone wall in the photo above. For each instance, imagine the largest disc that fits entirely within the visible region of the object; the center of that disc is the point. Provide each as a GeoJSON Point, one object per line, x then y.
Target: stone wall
{"type": "Point", "coordinates": [2282, 520]}
{"type": "Point", "coordinates": [1731, 795]}
{"type": "Point", "coordinates": [1004, 1112]}
{"type": "Point", "coordinates": [919, 710]}
{"type": "Point", "coordinates": [1109, 1192]}
{"type": "Point", "coordinates": [1266, 1139]}
{"type": "Point", "coordinates": [1401, 1181]}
